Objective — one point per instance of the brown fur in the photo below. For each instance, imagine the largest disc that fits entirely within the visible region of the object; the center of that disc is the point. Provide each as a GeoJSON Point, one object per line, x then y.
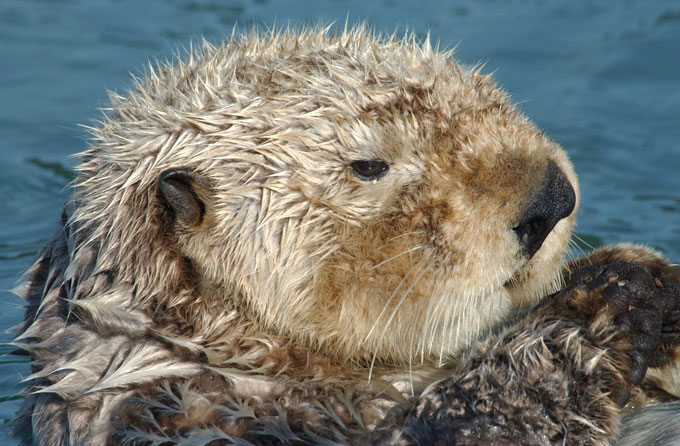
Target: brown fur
{"type": "Point", "coordinates": [304, 304]}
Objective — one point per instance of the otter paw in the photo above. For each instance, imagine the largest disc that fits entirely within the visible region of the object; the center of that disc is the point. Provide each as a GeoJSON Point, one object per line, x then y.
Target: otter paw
{"type": "Point", "coordinates": [646, 300]}
{"type": "Point", "coordinates": [667, 301]}
{"type": "Point", "coordinates": [642, 302]}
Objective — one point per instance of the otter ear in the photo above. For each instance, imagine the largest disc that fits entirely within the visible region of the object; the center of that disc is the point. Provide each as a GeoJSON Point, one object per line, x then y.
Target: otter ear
{"type": "Point", "coordinates": [177, 187]}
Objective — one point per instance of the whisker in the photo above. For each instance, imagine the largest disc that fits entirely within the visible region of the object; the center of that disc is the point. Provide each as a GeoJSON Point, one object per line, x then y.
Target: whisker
{"type": "Point", "coordinates": [451, 326]}
{"type": "Point", "coordinates": [576, 248]}
{"type": "Point", "coordinates": [572, 247]}
{"type": "Point", "coordinates": [580, 239]}
{"type": "Point", "coordinates": [447, 318]}
{"type": "Point", "coordinates": [429, 327]}
{"type": "Point", "coordinates": [405, 234]}
{"type": "Point", "coordinates": [415, 248]}
{"type": "Point", "coordinates": [410, 362]}
{"type": "Point", "coordinates": [430, 314]}
{"type": "Point", "coordinates": [430, 323]}
{"type": "Point", "coordinates": [387, 303]}
{"type": "Point", "coordinates": [394, 312]}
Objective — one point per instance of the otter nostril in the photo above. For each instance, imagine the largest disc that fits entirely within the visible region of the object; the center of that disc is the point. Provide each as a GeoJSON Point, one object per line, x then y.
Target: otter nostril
{"type": "Point", "coordinates": [530, 231]}
{"type": "Point", "coordinates": [555, 201]}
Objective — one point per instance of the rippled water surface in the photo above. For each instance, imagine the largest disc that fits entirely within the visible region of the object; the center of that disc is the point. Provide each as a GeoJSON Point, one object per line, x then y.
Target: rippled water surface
{"type": "Point", "coordinates": [602, 78]}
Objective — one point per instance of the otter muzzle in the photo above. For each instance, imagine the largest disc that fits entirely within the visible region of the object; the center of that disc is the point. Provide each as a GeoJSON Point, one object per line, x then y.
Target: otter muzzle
{"type": "Point", "coordinates": [555, 201]}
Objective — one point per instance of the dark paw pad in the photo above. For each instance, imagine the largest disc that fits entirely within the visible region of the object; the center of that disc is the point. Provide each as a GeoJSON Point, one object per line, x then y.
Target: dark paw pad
{"type": "Point", "coordinates": [622, 284]}
{"type": "Point", "coordinates": [645, 305]}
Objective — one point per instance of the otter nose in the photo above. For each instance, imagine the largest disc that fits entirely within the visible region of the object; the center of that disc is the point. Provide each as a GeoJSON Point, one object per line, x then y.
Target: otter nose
{"type": "Point", "coordinates": [553, 202]}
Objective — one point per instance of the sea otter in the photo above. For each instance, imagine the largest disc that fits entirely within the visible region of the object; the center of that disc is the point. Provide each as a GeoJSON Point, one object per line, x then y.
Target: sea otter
{"type": "Point", "coordinates": [302, 237]}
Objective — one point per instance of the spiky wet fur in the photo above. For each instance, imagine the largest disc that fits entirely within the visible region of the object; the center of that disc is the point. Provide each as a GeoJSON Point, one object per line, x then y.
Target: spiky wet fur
{"type": "Point", "coordinates": [265, 319]}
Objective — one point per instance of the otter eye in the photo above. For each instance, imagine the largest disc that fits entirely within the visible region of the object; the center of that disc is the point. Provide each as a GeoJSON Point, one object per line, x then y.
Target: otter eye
{"type": "Point", "coordinates": [369, 170]}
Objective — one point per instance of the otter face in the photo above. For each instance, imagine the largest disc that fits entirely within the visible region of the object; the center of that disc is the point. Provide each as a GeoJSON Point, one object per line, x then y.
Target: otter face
{"type": "Point", "coordinates": [471, 217]}
{"type": "Point", "coordinates": [368, 198]}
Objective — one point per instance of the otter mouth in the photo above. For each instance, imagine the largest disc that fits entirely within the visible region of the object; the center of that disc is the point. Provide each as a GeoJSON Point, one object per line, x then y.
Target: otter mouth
{"type": "Point", "coordinates": [518, 277]}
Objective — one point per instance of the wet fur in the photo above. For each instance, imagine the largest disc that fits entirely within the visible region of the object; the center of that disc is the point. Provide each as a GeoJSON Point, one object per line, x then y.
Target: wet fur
{"type": "Point", "coordinates": [305, 305]}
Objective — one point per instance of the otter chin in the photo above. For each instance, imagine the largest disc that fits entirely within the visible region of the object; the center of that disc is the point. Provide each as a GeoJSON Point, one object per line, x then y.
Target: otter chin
{"type": "Point", "coordinates": [301, 237]}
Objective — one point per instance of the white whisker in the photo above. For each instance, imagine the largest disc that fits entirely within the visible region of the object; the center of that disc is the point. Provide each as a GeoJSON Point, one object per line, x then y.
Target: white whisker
{"type": "Point", "coordinates": [410, 362]}
{"type": "Point", "coordinates": [580, 239]}
{"type": "Point", "coordinates": [387, 303]}
{"type": "Point", "coordinates": [448, 316]}
{"type": "Point", "coordinates": [429, 327]}
{"type": "Point", "coordinates": [394, 312]}
{"type": "Point", "coordinates": [415, 248]}
{"type": "Point", "coordinates": [405, 234]}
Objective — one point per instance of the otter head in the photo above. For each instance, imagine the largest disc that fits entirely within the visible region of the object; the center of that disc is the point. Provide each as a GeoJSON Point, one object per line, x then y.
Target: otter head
{"type": "Point", "coordinates": [366, 197]}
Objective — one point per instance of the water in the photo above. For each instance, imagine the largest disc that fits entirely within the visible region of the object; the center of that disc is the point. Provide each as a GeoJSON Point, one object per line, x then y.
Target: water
{"type": "Point", "coordinates": [602, 78]}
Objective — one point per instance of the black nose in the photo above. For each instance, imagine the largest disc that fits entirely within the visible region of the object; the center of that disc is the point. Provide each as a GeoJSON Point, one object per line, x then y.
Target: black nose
{"type": "Point", "coordinates": [553, 202]}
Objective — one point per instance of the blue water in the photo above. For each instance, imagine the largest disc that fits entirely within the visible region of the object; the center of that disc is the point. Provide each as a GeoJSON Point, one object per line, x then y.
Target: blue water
{"type": "Point", "coordinates": [601, 77]}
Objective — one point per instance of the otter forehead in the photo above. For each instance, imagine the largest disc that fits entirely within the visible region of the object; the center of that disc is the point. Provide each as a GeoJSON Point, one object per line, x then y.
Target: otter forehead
{"type": "Point", "coordinates": [278, 87]}
{"type": "Point", "coordinates": [241, 162]}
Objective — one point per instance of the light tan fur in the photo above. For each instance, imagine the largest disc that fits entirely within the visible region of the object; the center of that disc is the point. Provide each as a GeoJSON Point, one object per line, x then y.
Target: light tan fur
{"type": "Point", "coordinates": [270, 124]}
{"type": "Point", "coordinates": [299, 272]}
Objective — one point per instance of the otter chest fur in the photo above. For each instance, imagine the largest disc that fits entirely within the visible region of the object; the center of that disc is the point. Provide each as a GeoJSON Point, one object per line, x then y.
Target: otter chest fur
{"type": "Point", "coordinates": [294, 238]}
